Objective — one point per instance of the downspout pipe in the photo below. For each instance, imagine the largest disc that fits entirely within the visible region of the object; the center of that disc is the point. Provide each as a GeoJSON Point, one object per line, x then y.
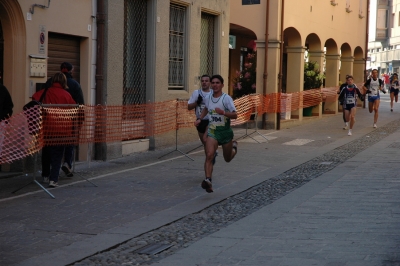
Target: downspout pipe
{"type": "Point", "coordinates": [280, 77]}
{"type": "Point", "coordinates": [100, 20]}
{"type": "Point", "coordinates": [366, 45]}
{"type": "Point", "coordinates": [100, 153]}
{"type": "Point", "coordinates": [265, 76]}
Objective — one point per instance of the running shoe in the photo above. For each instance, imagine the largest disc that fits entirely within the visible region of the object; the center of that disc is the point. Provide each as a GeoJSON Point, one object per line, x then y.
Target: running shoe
{"type": "Point", "coordinates": [375, 126]}
{"type": "Point", "coordinates": [346, 126]}
{"type": "Point", "coordinates": [46, 179]}
{"type": "Point", "coordinates": [391, 110]}
{"type": "Point", "coordinates": [207, 185]}
{"type": "Point", "coordinates": [234, 145]}
{"type": "Point", "coordinates": [349, 134]}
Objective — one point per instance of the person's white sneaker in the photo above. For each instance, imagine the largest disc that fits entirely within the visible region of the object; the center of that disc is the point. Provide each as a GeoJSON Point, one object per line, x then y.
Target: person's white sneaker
{"type": "Point", "coordinates": [46, 179]}
{"type": "Point", "coordinates": [349, 134]}
{"type": "Point", "coordinates": [53, 184]}
{"type": "Point", "coordinates": [346, 126]}
{"type": "Point", "coordinates": [375, 126]}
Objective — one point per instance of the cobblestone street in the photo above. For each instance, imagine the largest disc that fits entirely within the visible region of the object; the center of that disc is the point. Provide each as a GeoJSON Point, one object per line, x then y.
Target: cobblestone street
{"type": "Point", "coordinates": [311, 195]}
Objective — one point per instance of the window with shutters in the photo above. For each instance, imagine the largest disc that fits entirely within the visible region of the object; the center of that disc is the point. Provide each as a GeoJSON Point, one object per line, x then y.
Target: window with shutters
{"type": "Point", "coordinates": [207, 44]}
{"type": "Point", "coordinates": [177, 44]}
{"type": "Point", "coordinates": [135, 16]}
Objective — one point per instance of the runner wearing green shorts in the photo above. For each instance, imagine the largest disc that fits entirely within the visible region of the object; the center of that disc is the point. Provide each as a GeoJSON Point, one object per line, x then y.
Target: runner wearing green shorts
{"type": "Point", "coordinates": [220, 109]}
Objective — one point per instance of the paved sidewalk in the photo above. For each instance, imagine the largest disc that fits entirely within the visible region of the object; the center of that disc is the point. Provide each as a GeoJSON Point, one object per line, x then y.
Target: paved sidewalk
{"type": "Point", "coordinates": [140, 193]}
{"type": "Point", "coordinates": [348, 216]}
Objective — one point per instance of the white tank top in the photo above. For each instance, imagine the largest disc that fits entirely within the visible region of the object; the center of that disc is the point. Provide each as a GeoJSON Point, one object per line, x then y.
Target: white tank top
{"type": "Point", "coordinates": [374, 87]}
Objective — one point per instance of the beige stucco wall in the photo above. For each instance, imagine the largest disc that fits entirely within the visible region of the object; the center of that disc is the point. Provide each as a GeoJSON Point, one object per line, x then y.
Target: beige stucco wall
{"type": "Point", "coordinates": [59, 18]}
{"type": "Point", "coordinates": [327, 21]}
{"type": "Point", "coordinates": [320, 19]}
{"type": "Point", "coordinates": [158, 54]}
{"type": "Point", "coordinates": [217, 8]}
{"type": "Point", "coordinates": [306, 17]}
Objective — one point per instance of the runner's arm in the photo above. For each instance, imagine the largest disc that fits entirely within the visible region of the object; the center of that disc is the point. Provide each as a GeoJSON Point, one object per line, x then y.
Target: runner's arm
{"type": "Point", "coordinates": [202, 115]}
{"type": "Point", "coordinates": [191, 106]}
{"type": "Point", "coordinates": [231, 115]}
{"type": "Point", "coordinates": [360, 96]}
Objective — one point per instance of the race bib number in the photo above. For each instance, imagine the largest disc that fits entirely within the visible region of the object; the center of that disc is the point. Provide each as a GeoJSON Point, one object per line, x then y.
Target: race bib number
{"type": "Point", "coordinates": [217, 120]}
{"type": "Point", "coordinates": [350, 100]}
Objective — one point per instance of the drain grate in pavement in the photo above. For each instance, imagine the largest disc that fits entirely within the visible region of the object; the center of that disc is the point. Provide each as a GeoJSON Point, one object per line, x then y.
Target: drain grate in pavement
{"type": "Point", "coordinates": [153, 249]}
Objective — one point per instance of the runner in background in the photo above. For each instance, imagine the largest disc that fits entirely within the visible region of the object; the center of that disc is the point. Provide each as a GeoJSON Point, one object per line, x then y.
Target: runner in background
{"type": "Point", "coordinates": [197, 103]}
{"type": "Point", "coordinates": [394, 90]}
{"type": "Point", "coordinates": [348, 96]}
{"type": "Point", "coordinates": [372, 86]}
{"type": "Point", "coordinates": [346, 125]}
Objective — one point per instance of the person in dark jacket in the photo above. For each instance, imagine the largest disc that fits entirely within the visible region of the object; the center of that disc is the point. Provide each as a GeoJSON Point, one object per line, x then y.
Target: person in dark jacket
{"type": "Point", "coordinates": [348, 96]}
{"type": "Point", "coordinates": [6, 103]}
{"type": "Point", "coordinates": [74, 88]}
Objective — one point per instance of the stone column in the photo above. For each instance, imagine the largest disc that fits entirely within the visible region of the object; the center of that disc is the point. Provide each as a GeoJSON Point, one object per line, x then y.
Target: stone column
{"type": "Point", "coordinates": [295, 76]}
{"type": "Point", "coordinates": [317, 56]}
{"type": "Point", "coordinates": [332, 78]}
{"type": "Point", "coordinates": [358, 70]}
{"type": "Point", "coordinates": [346, 67]}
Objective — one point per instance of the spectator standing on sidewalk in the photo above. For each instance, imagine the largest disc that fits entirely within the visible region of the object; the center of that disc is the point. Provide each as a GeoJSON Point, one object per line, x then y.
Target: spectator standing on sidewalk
{"type": "Point", "coordinates": [348, 96]}
{"type": "Point", "coordinates": [56, 94]}
{"type": "Point", "coordinates": [74, 88]}
{"type": "Point", "coordinates": [386, 79]}
{"type": "Point", "coordinates": [372, 86]}
{"type": "Point", "coordinates": [221, 109]}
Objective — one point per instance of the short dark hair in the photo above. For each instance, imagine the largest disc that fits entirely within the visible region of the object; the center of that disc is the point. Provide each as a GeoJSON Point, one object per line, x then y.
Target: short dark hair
{"type": "Point", "coordinates": [66, 67]}
{"type": "Point", "coordinates": [219, 77]}
{"type": "Point", "coordinates": [349, 77]}
{"type": "Point", "coordinates": [374, 70]}
{"type": "Point", "coordinates": [205, 76]}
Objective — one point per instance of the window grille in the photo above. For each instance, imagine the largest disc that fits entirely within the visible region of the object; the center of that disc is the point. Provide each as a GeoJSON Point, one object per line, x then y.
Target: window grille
{"type": "Point", "coordinates": [176, 47]}
{"type": "Point", "coordinates": [135, 52]}
{"type": "Point", "coordinates": [207, 44]}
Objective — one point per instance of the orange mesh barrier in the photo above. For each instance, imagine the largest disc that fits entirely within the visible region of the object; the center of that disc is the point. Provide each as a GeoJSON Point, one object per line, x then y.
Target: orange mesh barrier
{"type": "Point", "coordinates": [27, 132]}
{"type": "Point", "coordinates": [20, 135]}
{"type": "Point", "coordinates": [311, 98]}
{"type": "Point", "coordinates": [244, 109]}
{"type": "Point", "coordinates": [330, 94]}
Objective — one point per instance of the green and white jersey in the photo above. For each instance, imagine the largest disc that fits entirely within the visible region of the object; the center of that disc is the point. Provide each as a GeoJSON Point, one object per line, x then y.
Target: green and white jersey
{"type": "Point", "coordinates": [217, 121]}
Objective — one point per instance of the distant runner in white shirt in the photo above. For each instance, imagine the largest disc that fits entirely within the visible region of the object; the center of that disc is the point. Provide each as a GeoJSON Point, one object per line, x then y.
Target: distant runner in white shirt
{"type": "Point", "coordinates": [372, 87]}
{"type": "Point", "coordinates": [196, 102]}
{"type": "Point", "coordinates": [221, 109]}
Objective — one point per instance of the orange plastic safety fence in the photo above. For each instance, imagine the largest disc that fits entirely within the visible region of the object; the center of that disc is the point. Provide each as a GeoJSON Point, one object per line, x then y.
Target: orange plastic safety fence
{"type": "Point", "coordinates": [27, 132]}
{"type": "Point", "coordinates": [20, 135]}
